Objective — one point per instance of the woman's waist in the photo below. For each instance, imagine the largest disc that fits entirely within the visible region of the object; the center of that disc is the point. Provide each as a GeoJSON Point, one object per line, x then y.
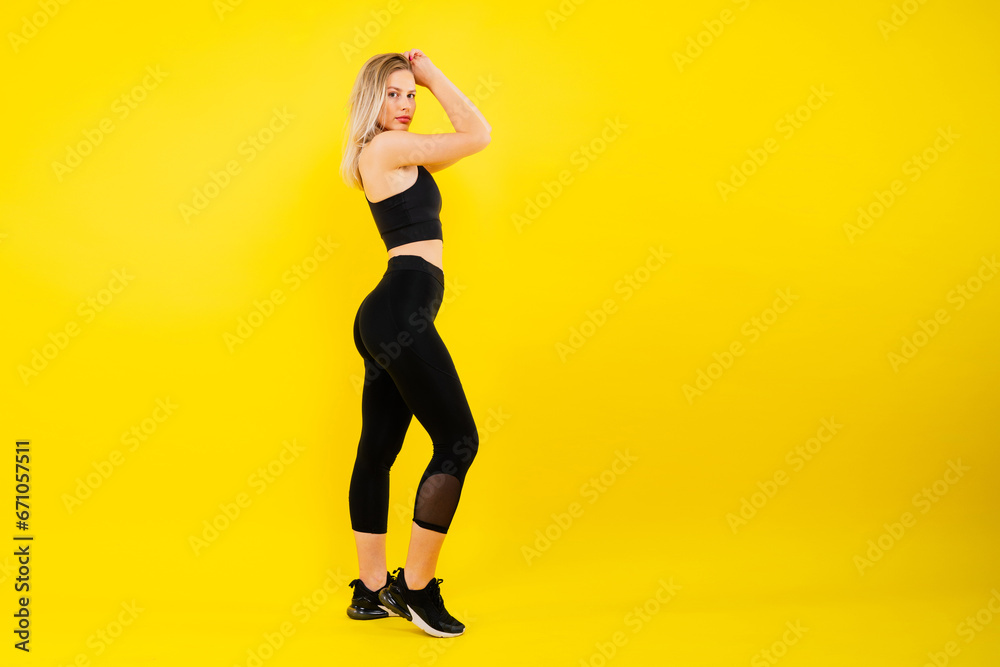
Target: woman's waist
{"type": "Point", "coordinates": [431, 250]}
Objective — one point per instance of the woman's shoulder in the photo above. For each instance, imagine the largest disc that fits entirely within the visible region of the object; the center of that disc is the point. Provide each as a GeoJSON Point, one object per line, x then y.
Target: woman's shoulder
{"type": "Point", "coordinates": [376, 157]}
{"type": "Point", "coordinates": [384, 140]}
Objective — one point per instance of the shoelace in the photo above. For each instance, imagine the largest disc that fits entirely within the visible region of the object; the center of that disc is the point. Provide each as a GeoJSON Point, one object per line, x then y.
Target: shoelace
{"type": "Point", "coordinates": [436, 598]}
{"type": "Point", "coordinates": [435, 594]}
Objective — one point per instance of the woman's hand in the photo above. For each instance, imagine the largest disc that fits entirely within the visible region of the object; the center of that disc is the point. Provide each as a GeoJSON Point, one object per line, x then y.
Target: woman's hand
{"type": "Point", "coordinates": [424, 71]}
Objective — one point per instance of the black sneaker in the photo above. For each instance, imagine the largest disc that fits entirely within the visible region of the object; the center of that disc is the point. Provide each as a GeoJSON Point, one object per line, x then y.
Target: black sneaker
{"type": "Point", "coordinates": [424, 607]}
{"type": "Point", "coordinates": [365, 604]}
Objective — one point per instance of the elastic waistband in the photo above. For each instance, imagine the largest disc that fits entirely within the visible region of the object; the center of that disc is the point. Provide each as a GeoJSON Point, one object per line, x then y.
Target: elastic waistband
{"type": "Point", "coordinates": [399, 262]}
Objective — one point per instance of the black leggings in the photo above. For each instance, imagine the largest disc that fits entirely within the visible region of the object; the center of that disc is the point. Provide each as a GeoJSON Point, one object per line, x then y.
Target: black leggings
{"type": "Point", "coordinates": [408, 372]}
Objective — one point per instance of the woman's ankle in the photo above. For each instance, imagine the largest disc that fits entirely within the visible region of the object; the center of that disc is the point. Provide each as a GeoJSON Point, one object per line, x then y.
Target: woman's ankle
{"type": "Point", "coordinates": [380, 582]}
{"type": "Point", "coordinates": [416, 582]}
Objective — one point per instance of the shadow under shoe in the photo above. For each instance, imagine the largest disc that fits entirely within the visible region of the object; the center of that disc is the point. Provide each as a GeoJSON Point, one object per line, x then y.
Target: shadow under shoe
{"type": "Point", "coordinates": [424, 607]}
{"type": "Point", "coordinates": [365, 604]}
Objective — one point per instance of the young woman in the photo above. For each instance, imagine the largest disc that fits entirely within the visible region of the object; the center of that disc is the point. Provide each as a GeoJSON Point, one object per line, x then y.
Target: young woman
{"type": "Point", "coordinates": [408, 370]}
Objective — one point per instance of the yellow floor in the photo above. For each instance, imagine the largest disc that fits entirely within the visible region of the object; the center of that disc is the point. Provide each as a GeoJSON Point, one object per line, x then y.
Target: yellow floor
{"type": "Point", "coordinates": [792, 596]}
{"type": "Point", "coordinates": [501, 629]}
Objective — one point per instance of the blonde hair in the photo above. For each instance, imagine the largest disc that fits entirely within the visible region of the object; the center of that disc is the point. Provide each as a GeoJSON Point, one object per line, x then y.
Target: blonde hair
{"type": "Point", "coordinates": [365, 106]}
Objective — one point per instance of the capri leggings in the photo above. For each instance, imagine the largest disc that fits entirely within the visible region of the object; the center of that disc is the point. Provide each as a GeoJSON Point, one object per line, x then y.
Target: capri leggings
{"type": "Point", "coordinates": [408, 372]}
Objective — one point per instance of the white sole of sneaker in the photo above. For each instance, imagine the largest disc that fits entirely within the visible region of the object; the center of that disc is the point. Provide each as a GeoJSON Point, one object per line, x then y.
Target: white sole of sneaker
{"type": "Point", "coordinates": [385, 591]}
{"type": "Point", "coordinates": [422, 624]}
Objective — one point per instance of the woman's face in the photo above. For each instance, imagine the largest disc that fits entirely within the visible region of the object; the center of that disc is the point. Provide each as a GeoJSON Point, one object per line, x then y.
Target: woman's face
{"type": "Point", "coordinates": [399, 103]}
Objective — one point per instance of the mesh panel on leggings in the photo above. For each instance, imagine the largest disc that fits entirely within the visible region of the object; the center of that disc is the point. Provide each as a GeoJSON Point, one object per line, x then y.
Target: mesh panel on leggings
{"type": "Point", "coordinates": [436, 501]}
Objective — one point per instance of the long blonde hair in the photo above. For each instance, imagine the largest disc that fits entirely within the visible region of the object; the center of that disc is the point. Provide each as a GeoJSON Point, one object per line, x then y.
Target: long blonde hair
{"type": "Point", "coordinates": [365, 105]}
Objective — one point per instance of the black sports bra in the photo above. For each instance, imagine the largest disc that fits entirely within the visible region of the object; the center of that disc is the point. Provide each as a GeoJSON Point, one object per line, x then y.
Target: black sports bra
{"type": "Point", "coordinates": [410, 215]}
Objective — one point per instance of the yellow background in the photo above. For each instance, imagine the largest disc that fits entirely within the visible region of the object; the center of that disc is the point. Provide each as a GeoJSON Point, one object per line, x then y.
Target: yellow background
{"type": "Point", "coordinates": [550, 78]}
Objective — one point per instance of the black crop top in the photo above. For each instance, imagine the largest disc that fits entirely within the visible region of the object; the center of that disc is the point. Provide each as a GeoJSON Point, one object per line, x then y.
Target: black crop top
{"type": "Point", "coordinates": [410, 215]}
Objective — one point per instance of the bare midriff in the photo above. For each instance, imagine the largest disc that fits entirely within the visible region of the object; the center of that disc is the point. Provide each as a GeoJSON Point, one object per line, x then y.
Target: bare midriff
{"type": "Point", "coordinates": [431, 250]}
